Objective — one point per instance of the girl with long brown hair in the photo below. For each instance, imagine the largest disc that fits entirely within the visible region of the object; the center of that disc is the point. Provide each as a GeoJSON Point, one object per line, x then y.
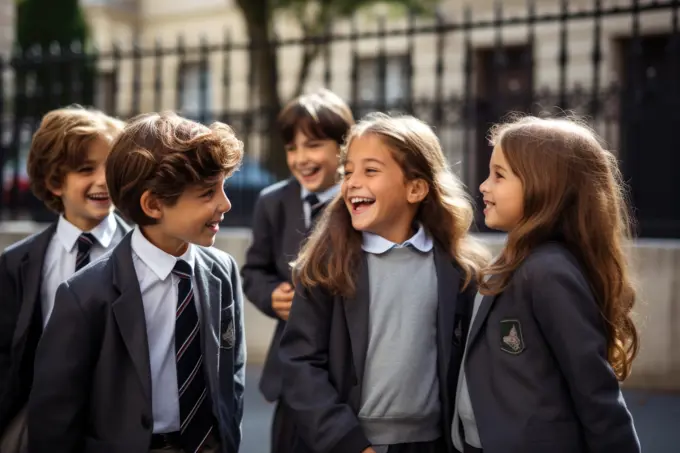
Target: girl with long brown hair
{"type": "Point", "coordinates": [382, 290]}
{"type": "Point", "coordinates": [551, 331]}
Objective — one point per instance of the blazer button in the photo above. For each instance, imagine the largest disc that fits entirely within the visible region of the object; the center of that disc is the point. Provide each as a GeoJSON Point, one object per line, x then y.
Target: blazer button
{"type": "Point", "coordinates": [146, 422]}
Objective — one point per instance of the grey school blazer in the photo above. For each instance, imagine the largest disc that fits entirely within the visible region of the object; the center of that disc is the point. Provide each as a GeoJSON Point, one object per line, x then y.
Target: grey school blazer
{"type": "Point", "coordinates": [536, 365]}
{"type": "Point", "coordinates": [92, 385]}
{"type": "Point", "coordinates": [323, 353]}
{"type": "Point", "coordinates": [278, 231]}
{"type": "Point", "coordinates": [21, 266]}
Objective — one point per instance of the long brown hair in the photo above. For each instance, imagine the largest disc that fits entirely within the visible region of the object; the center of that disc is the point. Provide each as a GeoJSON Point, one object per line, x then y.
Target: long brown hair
{"type": "Point", "coordinates": [573, 192]}
{"type": "Point", "coordinates": [331, 256]}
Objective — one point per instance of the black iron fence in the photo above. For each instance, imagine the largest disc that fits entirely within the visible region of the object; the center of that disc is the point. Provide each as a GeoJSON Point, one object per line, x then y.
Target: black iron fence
{"type": "Point", "coordinates": [617, 63]}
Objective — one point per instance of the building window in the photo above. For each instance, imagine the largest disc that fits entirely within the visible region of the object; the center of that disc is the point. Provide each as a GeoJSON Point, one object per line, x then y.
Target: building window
{"type": "Point", "coordinates": [196, 93]}
{"type": "Point", "coordinates": [397, 87]}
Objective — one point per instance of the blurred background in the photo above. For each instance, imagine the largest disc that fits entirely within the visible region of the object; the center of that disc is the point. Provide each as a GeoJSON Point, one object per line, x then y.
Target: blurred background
{"type": "Point", "coordinates": [459, 66]}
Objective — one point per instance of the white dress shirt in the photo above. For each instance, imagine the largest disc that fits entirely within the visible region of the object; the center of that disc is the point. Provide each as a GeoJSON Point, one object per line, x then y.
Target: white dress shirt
{"type": "Point", "coordinates": [158, 286]}
{"type": "Point", "coordinates": [60, 258]}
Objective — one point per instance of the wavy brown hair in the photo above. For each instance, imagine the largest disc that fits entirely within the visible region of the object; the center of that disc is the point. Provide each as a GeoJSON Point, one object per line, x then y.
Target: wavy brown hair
{"type": "Point", "coordinates": [332, 254]}
{"type": "Point", "coordinates": [573, 193]}
{"type": "Point", "coordinates": [166, 154]}
{"type": "Point", "coordinates": [61, 145]}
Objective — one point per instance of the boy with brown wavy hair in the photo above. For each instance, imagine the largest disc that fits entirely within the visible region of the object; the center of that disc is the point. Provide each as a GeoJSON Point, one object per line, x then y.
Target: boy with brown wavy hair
{"type": "Point", "coordinates": [312, 127]}
{"type": "Point", "coordinates": [66, 167]}
{"type": "Point", "coordinates": [154, 358]}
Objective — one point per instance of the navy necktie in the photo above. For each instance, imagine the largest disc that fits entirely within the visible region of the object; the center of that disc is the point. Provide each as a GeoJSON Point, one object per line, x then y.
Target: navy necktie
{"type": "Point", "coordinates": [195, 413]}
{"type": "Point", "coordinates": [85, 243]}
{"type": "Point", "coordinates": [316, 206]}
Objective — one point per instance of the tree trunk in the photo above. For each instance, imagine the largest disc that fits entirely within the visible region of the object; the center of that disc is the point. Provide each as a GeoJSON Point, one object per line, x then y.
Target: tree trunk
{"type": "Point", "coordinates": [312, 29]}
{"type": "Point", "coordinates": [308, 57]}
{"type": "Point", "coordinates": [264, 96]}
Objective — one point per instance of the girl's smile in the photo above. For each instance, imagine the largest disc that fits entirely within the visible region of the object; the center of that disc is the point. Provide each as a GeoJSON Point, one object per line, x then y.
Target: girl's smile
{"type": "Point", "coordinates": [488, 205]}
{"type": "Point", "coordinates": [360, 204]}
{"type": "Point", "coordinates": [375, 190]}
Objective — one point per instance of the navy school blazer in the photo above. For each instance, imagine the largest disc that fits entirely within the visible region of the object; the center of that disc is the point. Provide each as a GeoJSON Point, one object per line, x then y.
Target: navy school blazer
{"type": "Point", "coordinates": [21, 267]}
{"type": "Point", "coordinates": [92, 387]}
{"type": "Point", "coordinates": [537, 368]}
{"type": "Point", "coordinates": [323, 351]}
{"type": "Point", "coordinates": [278, 231]}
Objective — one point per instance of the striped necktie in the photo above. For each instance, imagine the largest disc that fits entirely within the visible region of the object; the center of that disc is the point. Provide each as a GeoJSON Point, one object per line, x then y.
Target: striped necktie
{"type": "Point", "coordinates": [85, 243]}
{"type": "Point", "coordinates": [195, 413]}
{"type": "Point", "coordinates": [315, 205]}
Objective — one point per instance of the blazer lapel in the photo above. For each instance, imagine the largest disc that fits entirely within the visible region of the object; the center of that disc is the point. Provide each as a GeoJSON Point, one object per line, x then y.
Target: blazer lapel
{"type": "Point", "coordinates": [31, 282]}
{"type": "Point", "coordinates": [128, 311]}
{"type": "Point", "coordinates": [448, 287]}
{"type": "Point", "coordinates": [209, 289]}
{"type": "Point", "coordinates": [356, 311]}
{"type": "Point", "coordinates": [480, 318]}
{"type": "Point", "coordinates": [293, 209]}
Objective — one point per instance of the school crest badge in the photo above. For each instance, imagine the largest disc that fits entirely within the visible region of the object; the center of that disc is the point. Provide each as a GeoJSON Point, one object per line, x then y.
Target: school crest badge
{"type": "Point", "coordinates": [512, 341]}
{"type": "Point", "coordinates": [228, 336]}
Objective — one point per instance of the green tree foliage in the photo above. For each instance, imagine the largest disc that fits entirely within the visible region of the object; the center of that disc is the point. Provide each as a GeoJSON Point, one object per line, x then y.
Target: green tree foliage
{"type": "Point", "coordinates": [52, 37]}
{"type": "Point", "coordinates": [46, 21]}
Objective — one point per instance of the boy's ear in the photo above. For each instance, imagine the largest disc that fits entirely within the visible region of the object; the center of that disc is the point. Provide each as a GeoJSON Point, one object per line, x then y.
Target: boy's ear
{"type": "Point", "coordinates": [57, 191]}
{"type": "Point", "coordinates": [151, 206]}
{"type": "Point", "coordinates": [417, 190]}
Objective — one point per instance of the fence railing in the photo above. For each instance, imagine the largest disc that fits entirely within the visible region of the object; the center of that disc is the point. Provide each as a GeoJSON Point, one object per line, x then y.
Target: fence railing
{"type": "Point", "coordinates": [617, 63]}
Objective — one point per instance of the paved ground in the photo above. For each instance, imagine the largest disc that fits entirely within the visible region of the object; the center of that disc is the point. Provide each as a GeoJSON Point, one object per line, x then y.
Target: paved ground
{"type": "Point", "coordinates": [657, 419]}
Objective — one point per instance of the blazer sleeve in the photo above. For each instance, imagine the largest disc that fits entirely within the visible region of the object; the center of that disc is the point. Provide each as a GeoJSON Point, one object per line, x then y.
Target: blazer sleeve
{"type": "Point", "coordinates": [239, 356]}
{"type": "Point", "coordinates": [9, 310]}
{"type": "Point", "coordinates": [570, 320]}
{"type": "Point", "coordinates": [260, 277]}
{"type": "Point", "coordinates": [63, 364]}
{"type": "Point", "coordinates": [324, 423]}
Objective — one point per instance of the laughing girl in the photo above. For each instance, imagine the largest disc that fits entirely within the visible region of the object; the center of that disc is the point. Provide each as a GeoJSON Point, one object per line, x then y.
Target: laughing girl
{"type": "Point", "coordinates": [376, 328]}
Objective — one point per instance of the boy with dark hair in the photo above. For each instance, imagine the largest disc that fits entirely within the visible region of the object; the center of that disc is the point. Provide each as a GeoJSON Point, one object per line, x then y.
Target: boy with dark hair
{"type": "Point", "coordinates": [145, 350]}
{"type": "Point", "coordinates": [66, 167]}
{"type": "Point", "coordinates": [313, 127]}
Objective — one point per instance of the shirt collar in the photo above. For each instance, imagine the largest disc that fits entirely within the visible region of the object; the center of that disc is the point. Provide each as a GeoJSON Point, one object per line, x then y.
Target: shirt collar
{"type": "Point", "coordinates": [68, 233]}
{"type": "Point", "coordinates": [372, 243]}
{"type": "Point", "coordinates": [160, 262]}
{"type": "Point", "coordinates": [325, 196]}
